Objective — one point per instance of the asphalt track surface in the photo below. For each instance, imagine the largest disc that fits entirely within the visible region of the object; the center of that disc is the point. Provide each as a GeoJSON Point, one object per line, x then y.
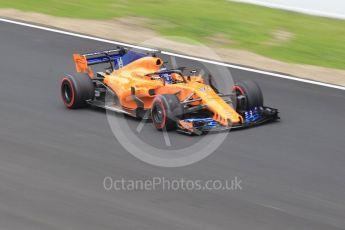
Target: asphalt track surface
{"type": "Point", "coordinates": [53, 160]}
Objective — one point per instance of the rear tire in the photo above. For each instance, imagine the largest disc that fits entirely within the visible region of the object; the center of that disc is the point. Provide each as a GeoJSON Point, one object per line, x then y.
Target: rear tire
{"type": "Point", "coordinates": [252, 93]}
{"type": "Point", "coordinates": [166, 110]}
{"type": "Point", "coordinates": [76, 90]}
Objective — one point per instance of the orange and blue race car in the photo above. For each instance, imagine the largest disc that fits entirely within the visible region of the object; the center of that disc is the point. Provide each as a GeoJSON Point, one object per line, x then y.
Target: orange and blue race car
{"type": "Point", "coordinates": [141, 87]}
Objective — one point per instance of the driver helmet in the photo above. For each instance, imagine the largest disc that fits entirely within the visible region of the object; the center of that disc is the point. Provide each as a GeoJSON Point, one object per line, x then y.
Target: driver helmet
{"type": "Point", "coordinates": [167, 76]}
{"type": "Point", "coordinates": [168, 79]}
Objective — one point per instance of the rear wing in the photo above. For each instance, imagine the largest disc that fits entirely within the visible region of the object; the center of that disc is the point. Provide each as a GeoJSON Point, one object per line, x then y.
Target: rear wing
{"type": "Point", "coordinates": [116, 58]}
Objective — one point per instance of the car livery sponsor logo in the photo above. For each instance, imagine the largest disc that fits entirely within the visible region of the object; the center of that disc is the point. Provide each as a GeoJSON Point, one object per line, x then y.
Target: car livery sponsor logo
{"type": "Point", "coordinates": [120, 62]}
{"type": "Point", "coordinates": [204, 89]}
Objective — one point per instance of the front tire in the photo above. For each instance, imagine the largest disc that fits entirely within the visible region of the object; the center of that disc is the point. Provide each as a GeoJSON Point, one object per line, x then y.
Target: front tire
{"type": "Point", "coordinates": [251, 95]}
{"type": "Point", "coordinates": [76, 90]}
{"type": "Point", "coordinates": [165, 111]}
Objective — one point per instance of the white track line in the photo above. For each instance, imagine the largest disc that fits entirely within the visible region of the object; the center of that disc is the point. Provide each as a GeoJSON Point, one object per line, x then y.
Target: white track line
{"type": "Point", "coordinates": [174, 54]}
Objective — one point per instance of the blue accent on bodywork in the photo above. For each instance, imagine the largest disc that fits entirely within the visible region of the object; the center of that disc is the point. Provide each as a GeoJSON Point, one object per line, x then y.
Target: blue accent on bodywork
{"type": "Point", "coordinates": [205, 122]}
{"type": "Point", "coordinates": [102, 59]}
{"type": "Point", "coordinates": [129, 57]}
{"type": "Point", "coordinates": [252, 115]}
{"type": "Point", "coordinates": [119, 60]}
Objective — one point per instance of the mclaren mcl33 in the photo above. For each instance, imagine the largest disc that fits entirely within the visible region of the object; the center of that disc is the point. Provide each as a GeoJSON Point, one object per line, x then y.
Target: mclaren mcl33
{"type": "Point", "coordinates": [141, 87]}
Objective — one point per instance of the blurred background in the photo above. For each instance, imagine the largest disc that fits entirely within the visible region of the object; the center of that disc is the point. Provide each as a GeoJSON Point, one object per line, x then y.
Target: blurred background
{"type": "Point", "coordinates": [269, 37]}
{"type": "Point", "coordinates": [331, 8]}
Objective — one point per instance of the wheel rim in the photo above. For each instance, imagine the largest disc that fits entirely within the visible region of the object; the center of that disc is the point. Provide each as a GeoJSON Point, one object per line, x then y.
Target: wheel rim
{"type": "Point", "coordinates": [241, 105]}
{"type": "Point", "coordinates": [67, 93]}
{"type": "Point", "coordinates": [238, 90]}
{"type": "Point", "coordinates": [157, 114]}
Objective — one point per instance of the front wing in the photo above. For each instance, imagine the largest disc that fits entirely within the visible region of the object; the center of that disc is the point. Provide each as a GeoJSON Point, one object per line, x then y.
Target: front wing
{"type": "Point", "coordinates": [254, 117]}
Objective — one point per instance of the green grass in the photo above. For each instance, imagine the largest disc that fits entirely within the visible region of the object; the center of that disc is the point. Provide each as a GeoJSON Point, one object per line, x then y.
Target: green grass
{"type": "Point", "coordinates": [315, 40]}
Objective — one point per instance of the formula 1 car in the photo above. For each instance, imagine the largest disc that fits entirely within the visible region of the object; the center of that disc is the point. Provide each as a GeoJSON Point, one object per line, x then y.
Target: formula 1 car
{"type": "Point", "coordinates": [142, 88]}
